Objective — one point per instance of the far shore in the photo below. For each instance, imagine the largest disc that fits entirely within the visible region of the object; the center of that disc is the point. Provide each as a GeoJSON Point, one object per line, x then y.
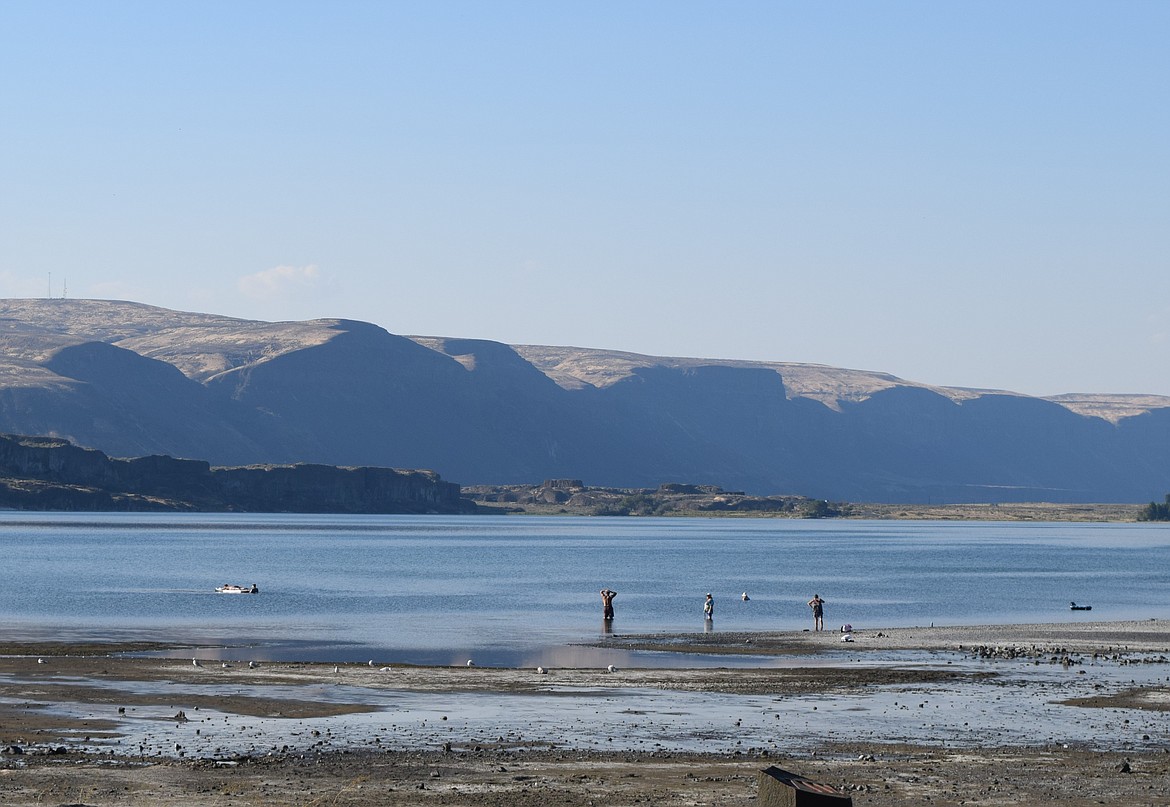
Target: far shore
{"type": "Point", "coordinates": [1101, 513]}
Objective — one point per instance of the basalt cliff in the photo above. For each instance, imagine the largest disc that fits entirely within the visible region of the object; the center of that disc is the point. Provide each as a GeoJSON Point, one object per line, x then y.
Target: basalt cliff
{"type": "Point", "coordinates": [44, 473]}
{"type": "Point", "coordinates": [134, 380]}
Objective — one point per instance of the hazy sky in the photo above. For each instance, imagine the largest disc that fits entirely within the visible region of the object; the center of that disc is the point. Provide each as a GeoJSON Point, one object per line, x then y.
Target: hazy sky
{"type": "Point", "coordinates": [961, 193]}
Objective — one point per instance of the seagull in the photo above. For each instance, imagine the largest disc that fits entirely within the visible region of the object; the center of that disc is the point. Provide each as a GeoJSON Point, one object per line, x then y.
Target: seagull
{"type": "Point", "coordinates": [470, 663]}
{"type": "Point", "coordinates": [225, 665]}
{"type": "Point", "coordinates": [371, 662]}
{"type": "Point", "coordinates": [746, 597]}
{"type": "Point", "coordinates": [251, 665]}
{"type": "Point", "coordinates": [611, 668]}
{"type": "Point", "coordinates": [541, 670]}
{"type": "Point", "coordinates": [336, 668]}
{"type": "Point", "coordinates": [195, 663]}
{"type": "Point", "coordinates": [40, 661]}
{"type": "Point", "coordinates": [384, 669]}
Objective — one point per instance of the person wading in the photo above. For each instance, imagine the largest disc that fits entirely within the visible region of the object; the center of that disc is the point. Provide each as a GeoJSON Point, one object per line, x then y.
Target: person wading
{"type": "Point", "coordinates": [607, 604]}
{"type": "Point", "coordinates": [818, 608]}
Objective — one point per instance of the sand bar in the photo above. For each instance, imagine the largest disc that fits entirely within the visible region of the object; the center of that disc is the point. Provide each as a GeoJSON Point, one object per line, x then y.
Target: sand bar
{"type": "Point", "coordinates": [1149, 635]}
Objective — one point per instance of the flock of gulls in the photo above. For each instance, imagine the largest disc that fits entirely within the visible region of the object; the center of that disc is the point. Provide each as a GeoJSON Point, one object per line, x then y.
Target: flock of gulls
{"type": "Point", "coordinates": [195, 662]}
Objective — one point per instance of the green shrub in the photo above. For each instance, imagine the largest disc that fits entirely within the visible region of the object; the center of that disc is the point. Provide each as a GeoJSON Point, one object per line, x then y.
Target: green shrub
{"type": "Point", "coordinates": [1156, 512]}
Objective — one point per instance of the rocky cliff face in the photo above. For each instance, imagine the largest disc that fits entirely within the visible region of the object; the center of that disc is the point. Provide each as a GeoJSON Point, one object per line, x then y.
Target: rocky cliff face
{"type": "Point", "coordinates": [329, 489]}
{"type": "Point", "coordinates": [38, 473]}
{"type": "Point", "coordinates": [134, 380]}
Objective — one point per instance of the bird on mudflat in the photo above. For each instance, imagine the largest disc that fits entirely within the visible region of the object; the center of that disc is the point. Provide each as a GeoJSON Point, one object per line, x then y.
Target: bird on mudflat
{"type": "Point", "coordinates": [195, 663]}
{"type": "Point", "coordinates": [470, 663]}
{"type": "Point", "coordinates": [611, 668]}
{"type": "Point", "coordinates": [746, 597]}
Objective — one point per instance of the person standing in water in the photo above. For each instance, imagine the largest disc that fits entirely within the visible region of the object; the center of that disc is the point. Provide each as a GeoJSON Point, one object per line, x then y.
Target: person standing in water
{"type": "Point", "coordinates": [709, 607]}
{"type": "Point", "coordinates": [607, 604]}
{"type": "Point", "coordinates": [818, 608]}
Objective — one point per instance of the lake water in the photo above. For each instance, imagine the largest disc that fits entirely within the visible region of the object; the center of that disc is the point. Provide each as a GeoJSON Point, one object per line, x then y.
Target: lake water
{"type": "Point", "coordinates": [504, 590]}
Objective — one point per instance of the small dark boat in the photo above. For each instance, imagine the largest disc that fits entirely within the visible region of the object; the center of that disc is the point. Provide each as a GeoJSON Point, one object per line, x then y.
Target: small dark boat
{"type": "Point", "coordinates": [1072, 606]}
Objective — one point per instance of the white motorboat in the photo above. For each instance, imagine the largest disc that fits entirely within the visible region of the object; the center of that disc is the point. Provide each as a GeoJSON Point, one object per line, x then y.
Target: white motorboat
{"type": "Point", "coordinates": [232, 588]}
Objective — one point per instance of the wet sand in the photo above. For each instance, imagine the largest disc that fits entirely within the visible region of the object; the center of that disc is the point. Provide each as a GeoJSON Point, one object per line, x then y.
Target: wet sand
{"type": "Point", "coordinates": [944, 716]}
{"type": "Point", "coordinates": [1147, 635]}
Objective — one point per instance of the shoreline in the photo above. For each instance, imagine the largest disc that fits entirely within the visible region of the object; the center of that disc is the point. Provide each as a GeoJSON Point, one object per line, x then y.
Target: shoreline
{"type": "Point", "coordinates": [1137, 634]}
{"type": "Point", "coordinates": [1146, 635]}
{"type": "Point", "coordinates": [1054, 713]}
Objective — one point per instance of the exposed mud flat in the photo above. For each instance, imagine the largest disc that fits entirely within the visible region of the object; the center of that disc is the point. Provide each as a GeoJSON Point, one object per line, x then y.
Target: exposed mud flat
{"type": "Point", "coordinates": [1038, 714]}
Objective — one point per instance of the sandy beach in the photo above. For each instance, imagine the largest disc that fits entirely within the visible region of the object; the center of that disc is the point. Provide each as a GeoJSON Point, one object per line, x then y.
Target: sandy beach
{"type": "Point", "coordinates": [1007, 714]}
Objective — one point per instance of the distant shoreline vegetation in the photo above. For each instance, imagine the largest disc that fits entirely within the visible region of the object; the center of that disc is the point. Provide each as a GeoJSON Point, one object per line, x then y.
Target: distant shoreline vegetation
{"type": "Point", "coordinates": [1156, 512]}
{"type": "Point", "coordinates": [572, 497]}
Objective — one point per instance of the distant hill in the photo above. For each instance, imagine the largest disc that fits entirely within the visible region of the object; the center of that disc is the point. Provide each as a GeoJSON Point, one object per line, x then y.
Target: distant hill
{"type": "Point", "coordinates": [134, 380]}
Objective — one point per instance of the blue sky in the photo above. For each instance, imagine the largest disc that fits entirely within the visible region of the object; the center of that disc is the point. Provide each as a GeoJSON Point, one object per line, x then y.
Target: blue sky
{"type": "Point", "coordinates": [961, 193]}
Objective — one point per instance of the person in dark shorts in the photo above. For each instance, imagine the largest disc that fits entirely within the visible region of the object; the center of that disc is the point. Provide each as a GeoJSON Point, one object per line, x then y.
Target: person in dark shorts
{"type": "Point", "coordinates": [607, 603]}
{"type": "Point", "coordinates": [818, 608]}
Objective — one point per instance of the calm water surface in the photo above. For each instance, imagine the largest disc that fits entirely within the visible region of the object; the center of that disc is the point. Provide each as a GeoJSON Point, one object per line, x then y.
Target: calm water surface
{"type": "Point", "coordinates": [436, 589]}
